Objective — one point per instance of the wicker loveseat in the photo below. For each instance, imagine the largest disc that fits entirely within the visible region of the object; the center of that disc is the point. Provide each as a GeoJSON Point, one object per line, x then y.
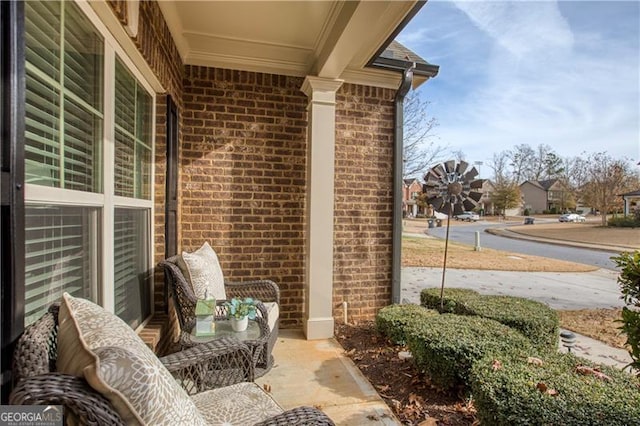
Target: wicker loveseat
{"type": "Point", "coordinates": [185, 300]}
{"type": "Point", "coordinates": [213, 379]}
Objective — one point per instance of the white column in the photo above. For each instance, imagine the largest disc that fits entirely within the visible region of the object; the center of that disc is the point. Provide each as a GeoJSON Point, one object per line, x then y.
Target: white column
{"type": "Point", "coordinates": [321, 139]}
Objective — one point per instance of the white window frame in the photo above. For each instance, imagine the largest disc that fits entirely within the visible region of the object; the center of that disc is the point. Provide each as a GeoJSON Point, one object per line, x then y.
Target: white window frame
{"type": "Point", "coordinates": [107, 201]}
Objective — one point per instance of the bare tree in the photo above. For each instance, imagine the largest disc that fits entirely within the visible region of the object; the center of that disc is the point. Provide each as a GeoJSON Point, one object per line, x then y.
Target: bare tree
{"type": "Point", "coordinates": [602, 180]}
{"type": "Point", "coordinates": [506, 187]}
{"type": "Point", "coordinates": [521, 157]}
{"type": "Point", "coordinates": [553, 165]}
{"type": "Point", "coordinates": [537, 169]}
{"type": "Point", "coordinates": [500, 165]}
{"type": "Point", "coordinates": [420, 147]}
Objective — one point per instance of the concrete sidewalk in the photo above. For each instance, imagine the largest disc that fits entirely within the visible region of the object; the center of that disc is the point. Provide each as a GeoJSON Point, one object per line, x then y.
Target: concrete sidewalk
{"type": "Point", "coordinates": [559, 290]}
{"type": "Point", "coordinates": [318, 373]}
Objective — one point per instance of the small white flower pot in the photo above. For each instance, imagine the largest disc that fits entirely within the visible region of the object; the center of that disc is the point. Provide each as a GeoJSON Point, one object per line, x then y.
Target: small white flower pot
{"type": "Point", "coordinates": [239, 324]}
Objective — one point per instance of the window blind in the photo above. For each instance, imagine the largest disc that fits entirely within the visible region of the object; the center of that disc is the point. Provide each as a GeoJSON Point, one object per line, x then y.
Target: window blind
{"type": "Point", "coordinates": [60, 245]}
{"type": "Point", "coordinates": [132, 136]}
{"type": "Point", "coordinates": [131, 259]}
{"type": "Point", "coordinates": [64, 61]}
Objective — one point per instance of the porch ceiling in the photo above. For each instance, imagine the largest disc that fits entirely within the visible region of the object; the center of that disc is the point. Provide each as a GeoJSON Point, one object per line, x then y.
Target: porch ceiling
{"type": "Point", "coordinates": [332, 39]}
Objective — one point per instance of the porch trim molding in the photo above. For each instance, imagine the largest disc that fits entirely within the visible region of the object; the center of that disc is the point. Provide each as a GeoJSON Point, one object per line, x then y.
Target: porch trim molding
{"type": "Point", "coordinates": [321, 135]}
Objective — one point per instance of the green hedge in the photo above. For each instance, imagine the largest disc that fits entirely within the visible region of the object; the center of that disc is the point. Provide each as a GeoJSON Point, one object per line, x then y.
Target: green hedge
{"type": "Point", "coordinates": [533, 319]}
{"type": "Point", "coordinates": [624, 222]}
{"type": "Point", "coordinates": [446, 346]}
{"type": "Point", "coordinates": [511, 395]}
{"type": "Point", "coordinates": [430, 298]}
{"type": "Point", "coordinates": [392, 320]}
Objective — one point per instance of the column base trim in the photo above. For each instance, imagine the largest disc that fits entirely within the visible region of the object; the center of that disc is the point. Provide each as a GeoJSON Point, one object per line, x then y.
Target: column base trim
{"type": "Point", "coordinates": [318, 328]}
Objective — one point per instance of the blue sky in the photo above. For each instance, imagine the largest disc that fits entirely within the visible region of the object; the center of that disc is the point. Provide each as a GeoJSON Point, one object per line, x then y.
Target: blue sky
{"type": "Point", "coordinates": [566, 74]}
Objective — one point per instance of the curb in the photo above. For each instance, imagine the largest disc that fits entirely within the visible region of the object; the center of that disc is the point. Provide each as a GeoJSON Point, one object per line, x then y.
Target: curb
{"type": "Point", "coordinates": [503, 232]}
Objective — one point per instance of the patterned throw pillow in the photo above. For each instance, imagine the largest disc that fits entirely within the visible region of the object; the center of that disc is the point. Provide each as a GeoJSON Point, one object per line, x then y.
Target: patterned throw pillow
{"type": "Point", "coordinates": [124, 369]}
{"type": "Point", "coordinates": [205, 273]}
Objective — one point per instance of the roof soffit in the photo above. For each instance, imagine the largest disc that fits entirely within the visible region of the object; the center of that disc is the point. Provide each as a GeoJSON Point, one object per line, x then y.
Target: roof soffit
{"type": "Point", "coordinates": [332, 39]}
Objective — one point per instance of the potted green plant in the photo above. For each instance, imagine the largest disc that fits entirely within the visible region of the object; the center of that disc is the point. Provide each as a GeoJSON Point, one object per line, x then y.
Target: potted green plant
{"type": "Point", "coordinates": [240, 311]}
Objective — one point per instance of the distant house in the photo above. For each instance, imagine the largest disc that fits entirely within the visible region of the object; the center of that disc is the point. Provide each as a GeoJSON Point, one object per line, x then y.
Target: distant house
{"type": "Point", "coordinates": [631, 202]}
{"type": "Point", "coordinates": [546, 195]}
{"type": "Point", "coordinates": [486, 204]}
{"type": "Point", "coordinates": [411, 189]}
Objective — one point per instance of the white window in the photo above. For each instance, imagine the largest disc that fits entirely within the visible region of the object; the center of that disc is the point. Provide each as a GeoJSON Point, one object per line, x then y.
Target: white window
{"type": "Point", "coordinates": [88, 165]}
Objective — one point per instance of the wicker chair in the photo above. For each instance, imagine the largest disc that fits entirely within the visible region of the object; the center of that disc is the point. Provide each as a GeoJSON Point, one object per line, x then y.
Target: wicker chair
{"type": "Point", "coordinates": [185, 304]}
{"type": "Point", "coordinates": [207, 366]}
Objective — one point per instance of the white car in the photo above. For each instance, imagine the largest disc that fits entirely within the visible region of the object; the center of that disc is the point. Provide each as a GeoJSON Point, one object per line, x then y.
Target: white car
{"type": "Point", "coordinates": [468, 216]}
{"type": "Point", "coordinates": [572, 217]}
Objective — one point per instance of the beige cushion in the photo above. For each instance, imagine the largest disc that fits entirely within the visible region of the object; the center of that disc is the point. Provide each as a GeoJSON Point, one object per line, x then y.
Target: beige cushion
{"type": "Point", "coordinates": [236, 405]}
{"type": "Point", "coordinates": [273, 312]}
{"type": "Point", "coordinates": [205, 274]}
{"type": "Point", "coordinates": [121, 367]}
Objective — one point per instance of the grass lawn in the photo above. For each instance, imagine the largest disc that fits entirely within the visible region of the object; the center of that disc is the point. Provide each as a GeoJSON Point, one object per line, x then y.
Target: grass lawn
{"type": "Point", "coordinates": [599, 324]}
{"type": "Point", "coordinates": [429, 252]}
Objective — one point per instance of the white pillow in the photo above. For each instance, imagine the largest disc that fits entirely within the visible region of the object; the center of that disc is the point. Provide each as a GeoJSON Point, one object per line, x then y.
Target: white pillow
{"type": "Point", "coordinates": [205, 274]}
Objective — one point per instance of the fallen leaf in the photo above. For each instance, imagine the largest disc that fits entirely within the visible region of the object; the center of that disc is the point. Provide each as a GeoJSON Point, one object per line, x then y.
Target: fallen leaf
{"type": "Point", "coordinates": [586, 371]}
{"type": "Point", "coordinates": [535, 361]}
{"type": "Point", "coordinates": [552, 392]}
{"type": "Point", "coordinates": [541, 387]}
{"type": "Point", "coordinates": [415, 400]}
{"type": "Point", "coordinates": [267, 387]}
{"type": "Point", "coordinates": [383, 388]}
{"type": "Point", "coordinates": [496, 365]}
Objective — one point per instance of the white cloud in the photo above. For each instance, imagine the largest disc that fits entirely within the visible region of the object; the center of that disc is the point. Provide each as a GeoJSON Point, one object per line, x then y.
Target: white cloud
{"type": "Point", "coordinates": [522, 28]}
{"type": "Point", "coordinates": [522, 72]}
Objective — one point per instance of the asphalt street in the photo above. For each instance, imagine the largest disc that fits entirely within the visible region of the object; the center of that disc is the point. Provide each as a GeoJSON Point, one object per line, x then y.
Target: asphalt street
{"type": "Point", "coordinates": [466, 234]}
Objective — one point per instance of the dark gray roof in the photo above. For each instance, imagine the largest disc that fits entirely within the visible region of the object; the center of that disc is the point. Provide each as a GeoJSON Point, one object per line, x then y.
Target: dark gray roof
{"type": "Point", "coordinates": [398, 56]}
{"type": "Point", "coordinates": [632, 193]}
{"type": "Point", "coordinates": [546, 184]}
{"type": "Point", "coordinates": [397, 51]}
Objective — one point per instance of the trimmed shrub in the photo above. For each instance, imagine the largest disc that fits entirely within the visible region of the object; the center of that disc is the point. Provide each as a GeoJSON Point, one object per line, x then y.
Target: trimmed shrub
{"type": "Point", "coordinates": [533, 319]}
{"type": "Point", "coordinates": [430, 297]}
{"type": "Point", "coordinates": [446, 346]}
{"type": "Point", "coordinates": [629, 282]}
{"type": "Point", "coordinates": [392, 320]}
{"type": "Point", "coordinates": [624, 222]}
{"type": "Point", "coordinates": [517, 392]}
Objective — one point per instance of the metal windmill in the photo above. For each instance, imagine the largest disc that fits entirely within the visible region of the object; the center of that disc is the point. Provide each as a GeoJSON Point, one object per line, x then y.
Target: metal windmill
{"type": "Point", "coordinates": [450, 189]}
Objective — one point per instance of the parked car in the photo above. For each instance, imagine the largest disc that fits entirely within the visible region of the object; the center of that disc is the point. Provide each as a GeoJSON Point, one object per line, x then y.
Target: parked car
{"type": "Point", "coordinates": [572, 217]}
{"type": "Point", "coordinates": [468, 216]}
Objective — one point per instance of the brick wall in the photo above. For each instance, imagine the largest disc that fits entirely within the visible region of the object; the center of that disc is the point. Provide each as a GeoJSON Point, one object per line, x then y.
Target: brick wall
{"type": "Point", "coordinates": [364, 200]}
{"type": "Point", "coordinates": [242, 175]}
{"type": "Point", "coordinates": [243, 181]}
